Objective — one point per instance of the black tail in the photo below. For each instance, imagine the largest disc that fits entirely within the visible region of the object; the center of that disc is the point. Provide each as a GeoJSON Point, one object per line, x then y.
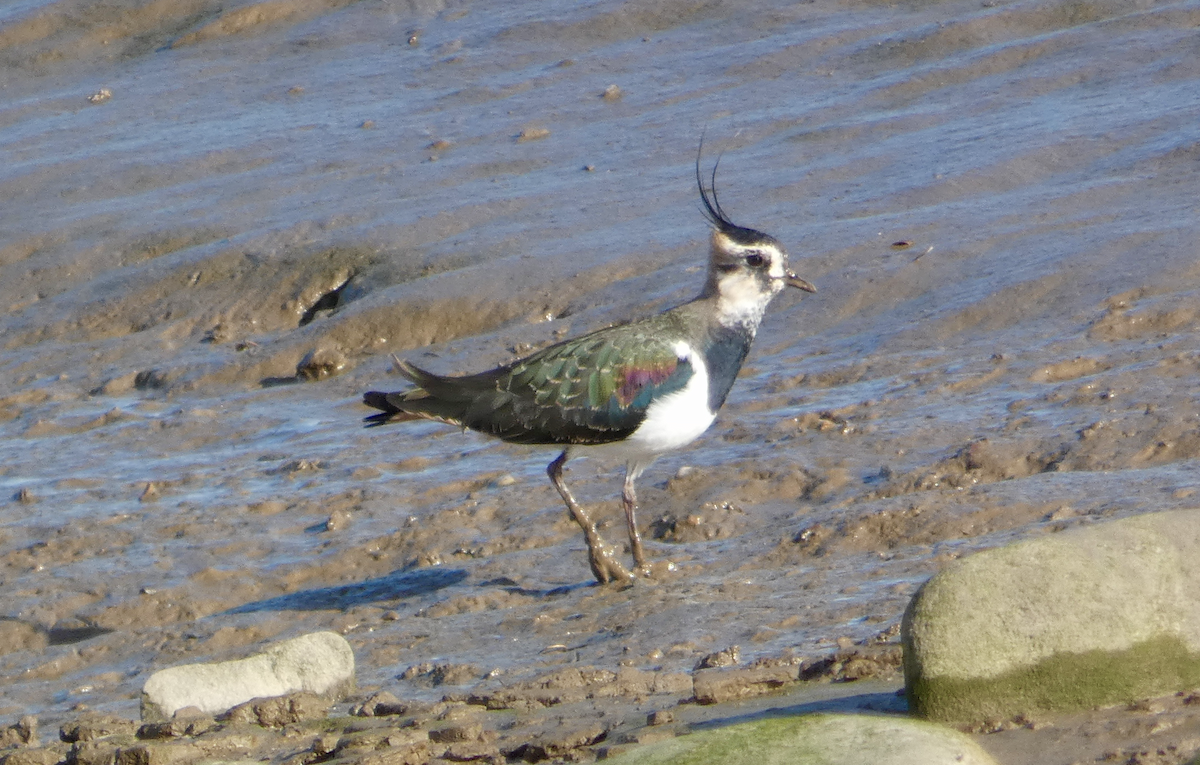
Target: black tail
{"type": "Point", "coordinates": [445, 399]}
{"type": "Point", "coordinates": [389, 412]}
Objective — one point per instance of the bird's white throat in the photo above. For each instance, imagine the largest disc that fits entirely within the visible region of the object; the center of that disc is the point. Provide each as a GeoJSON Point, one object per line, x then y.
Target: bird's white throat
{"type": "Point", "coordinates": [742, 300]}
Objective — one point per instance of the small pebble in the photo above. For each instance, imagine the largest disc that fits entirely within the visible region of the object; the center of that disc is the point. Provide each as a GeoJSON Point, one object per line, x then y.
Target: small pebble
{"type": "Point", "coordinates": [338, 520]}
{"type": "Point", "coordinates": [320, 363]}
{"type": "Point", "coordinates": [532, 134]}
{"type": "Point", "coordinates": [660, 717]}
{"type": "Point", "coordinates": [611, 93]}
{"type": "Point", "coordinates": [100, 96]}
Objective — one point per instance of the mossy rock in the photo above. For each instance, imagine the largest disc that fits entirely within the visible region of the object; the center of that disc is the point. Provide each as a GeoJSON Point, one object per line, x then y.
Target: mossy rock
{"type": "Point", "coordinates": [1087, 618]}
{"type": "Point", "coordinates": [821, 739]}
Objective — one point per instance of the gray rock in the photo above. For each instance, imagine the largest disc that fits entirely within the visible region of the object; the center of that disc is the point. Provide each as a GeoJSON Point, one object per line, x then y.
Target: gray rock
{"type": "Point", "coordinates": [1089, 617]}
{"type": "Point", "coordinates": [816, 740]}
{"type": "Point", "coordinates": [322, 663]}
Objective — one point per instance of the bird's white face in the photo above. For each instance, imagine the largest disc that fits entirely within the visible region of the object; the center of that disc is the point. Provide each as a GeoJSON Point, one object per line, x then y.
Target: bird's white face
{"type": "Point", "coordinates": [746, 275]}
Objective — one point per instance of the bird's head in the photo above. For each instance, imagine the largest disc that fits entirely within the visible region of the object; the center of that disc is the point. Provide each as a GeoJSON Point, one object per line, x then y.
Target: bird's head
{"type": "Point", "coordinates": [746, 267]}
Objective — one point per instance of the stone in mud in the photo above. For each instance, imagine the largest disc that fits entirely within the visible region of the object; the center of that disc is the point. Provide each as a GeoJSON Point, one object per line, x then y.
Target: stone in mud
{"type": "Point", "coordinates": [434, 675]}
{"type": "Point", "coordinates": [188, 721]}
{"type": "Point", "coordinates": [816, 740]}
{"type": "Point", "coordinates": [860, 663]}
{"type": "Point", "coordinates": [21, 733]}
{"type": "Point", "coordinates": [385, 746]}
{"type": "Point", "coordinates": [159, 753]}
{"type": "Point", "coordinates": [35, 756]}
{"type": "Point", "coordinates": [91, 727]}
{"type": "Point", "coordinates": [557, 740]}
{"type": "Point", "coordinates": [380, 704]}
{"type": "Point", "coordinates": [1084, 618]}
{"type": "Point", "coordinates": [729, 657]}
{"type": "Point", "coordinates": [533, 134]}
{"type": "Point", "coordinates": [279, 711]}
{"type": "Point", "coordinates": [449, 734]}
{"type": "Point", "coordinates": [321, 662]}
{"type": "Point", "coordinates": [101, 751]}
{"type": "Point", "coordinates": [713, 686]}
{"type": "Point", "coordinates": [321, 363]}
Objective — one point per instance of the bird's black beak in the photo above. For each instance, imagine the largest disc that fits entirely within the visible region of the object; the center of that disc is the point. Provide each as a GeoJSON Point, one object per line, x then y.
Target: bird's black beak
{"type": "Point", "coordinates": [791, 280]}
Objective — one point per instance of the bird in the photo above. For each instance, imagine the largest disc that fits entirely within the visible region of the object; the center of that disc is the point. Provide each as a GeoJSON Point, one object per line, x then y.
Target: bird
{"type": "Point", "coordinates": [635, 390]}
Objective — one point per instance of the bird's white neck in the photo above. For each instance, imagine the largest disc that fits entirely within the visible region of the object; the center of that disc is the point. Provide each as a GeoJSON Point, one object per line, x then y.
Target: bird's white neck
{"type": "Point", "coordinates": [742, 300]}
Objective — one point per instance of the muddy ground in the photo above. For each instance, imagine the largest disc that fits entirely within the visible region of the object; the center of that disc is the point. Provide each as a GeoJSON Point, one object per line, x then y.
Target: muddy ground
{"type": "Point", "coordinates": [221, 218]}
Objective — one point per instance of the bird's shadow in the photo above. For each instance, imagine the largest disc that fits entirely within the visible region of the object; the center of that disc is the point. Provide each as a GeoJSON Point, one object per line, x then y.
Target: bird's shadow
{"type": "Point", "coordinates": [396, 585]}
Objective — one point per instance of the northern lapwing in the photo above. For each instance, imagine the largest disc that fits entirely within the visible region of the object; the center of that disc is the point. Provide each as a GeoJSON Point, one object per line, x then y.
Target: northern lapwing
{"type": "Point", "coordinates": [635, 390]}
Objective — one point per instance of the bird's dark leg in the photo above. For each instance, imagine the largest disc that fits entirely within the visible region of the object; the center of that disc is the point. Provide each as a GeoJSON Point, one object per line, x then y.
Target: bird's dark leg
{"type": "Point", "coordinates": [601, 556]}
{"type": "Point", "coordinates": [629, 499]}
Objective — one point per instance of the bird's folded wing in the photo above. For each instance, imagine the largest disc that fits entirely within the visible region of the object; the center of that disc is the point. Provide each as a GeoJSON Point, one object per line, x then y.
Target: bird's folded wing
{"type": "Point", "coordinates": [595, 389]}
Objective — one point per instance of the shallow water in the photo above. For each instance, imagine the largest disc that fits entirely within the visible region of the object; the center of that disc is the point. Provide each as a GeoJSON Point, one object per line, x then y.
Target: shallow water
{"type": "Point", "coordinates": [163, 252]}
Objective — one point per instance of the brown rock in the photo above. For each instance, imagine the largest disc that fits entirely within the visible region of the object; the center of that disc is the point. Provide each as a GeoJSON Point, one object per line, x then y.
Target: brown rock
{"type": "Point", "coordinates": [380, 705]}
{"type": "Point", "coordinates": [278, 711]}
{"type": "Point", "coordinates": [320, 363]}
{"type": "Point", "coordinates": [21, 733]}
{"type": "Point", "coordinates": [471, 731]}
{"type": "Point", "coordinates": [433, 675]}
{"type": "Point", "coordinates": [856, 664]}
{"type": "Point", "coordinates": [533, 134]}
{"type": "Point", "coordinates": [102, 751]}
{"type": "Point", "coordinates": [182, 724]}
{"type": "Point", "coordinates": [473, 751]}
{"type": "Point", "coordinates": [730, 657]}
{"type": "Point", "coordinates": [33, 756]}
{"type": "Point", "coordinates": [660, 717]}
{"type": "Point", "coordinates": [376, 739]}
{"type": "Point", "coordinates": [159, 753]}
{"type": "Point", "coordinates": [558, 741]}
{"type": "Point", "coordinates": [713, 686]}
{"type": "Point", "coordinates": [91, 727]}
{"type": "Point", "coordinates": [393, 746]}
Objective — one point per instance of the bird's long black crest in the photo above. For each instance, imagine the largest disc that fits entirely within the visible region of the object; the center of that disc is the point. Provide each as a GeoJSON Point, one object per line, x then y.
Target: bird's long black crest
{"type": "Point", "coordinates": [712, 206]}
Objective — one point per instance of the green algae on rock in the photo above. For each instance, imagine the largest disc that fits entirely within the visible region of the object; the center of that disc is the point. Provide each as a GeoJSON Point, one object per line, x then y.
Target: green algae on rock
{"type": "Point", "coordinates": [1087, 618]}
{"type": "Point", "coordinates": [823, 739]}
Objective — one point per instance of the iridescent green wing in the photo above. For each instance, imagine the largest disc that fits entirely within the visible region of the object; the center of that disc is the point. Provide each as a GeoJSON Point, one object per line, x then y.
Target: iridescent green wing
{"type": "Point", "coordinates": [594, 389]}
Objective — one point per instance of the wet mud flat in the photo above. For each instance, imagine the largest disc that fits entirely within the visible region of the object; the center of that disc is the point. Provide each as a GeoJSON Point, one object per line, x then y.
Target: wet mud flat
{"type": "Point", "coordinates": [202, 271]}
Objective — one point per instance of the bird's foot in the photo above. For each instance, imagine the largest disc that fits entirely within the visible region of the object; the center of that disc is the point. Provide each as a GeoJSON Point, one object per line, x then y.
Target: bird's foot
{"type": "Point", "coordinates": [654, 570]}
{"type": "Point", "coordinates": [605, 566]}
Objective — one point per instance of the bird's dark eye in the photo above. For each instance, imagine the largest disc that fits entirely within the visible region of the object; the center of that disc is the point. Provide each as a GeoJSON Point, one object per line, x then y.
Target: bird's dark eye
{"type": "Point", "coordinates": [754, 260]}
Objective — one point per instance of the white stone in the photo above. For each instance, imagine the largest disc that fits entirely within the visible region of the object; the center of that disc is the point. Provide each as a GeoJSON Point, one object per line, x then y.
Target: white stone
{"type": "Point", "coordinates": [321, 662]}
